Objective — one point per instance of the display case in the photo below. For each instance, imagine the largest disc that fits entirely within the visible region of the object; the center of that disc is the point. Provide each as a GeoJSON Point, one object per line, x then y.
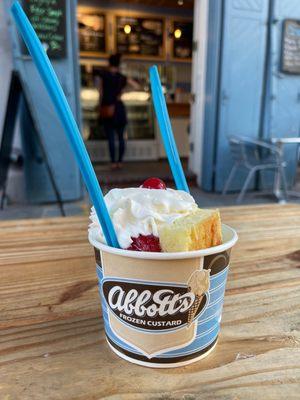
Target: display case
{"type": "Point", "coordinates": [141, 142]}
{"type": "Point", "coordinates": [142, 135]}
{"type": "Point", "coordinates": [139, 113]}
{"type": "Point", "coordinates": [140, 116]}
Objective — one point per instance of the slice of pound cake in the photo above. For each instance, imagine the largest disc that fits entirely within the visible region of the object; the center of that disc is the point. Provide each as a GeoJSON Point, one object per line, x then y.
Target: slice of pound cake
{"type": "Point", "coordinates": [198, 230]}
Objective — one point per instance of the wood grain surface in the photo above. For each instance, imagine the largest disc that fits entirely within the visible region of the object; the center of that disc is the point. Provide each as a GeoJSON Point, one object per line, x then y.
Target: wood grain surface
{"type": "Point", "coordinates": [52, 343]}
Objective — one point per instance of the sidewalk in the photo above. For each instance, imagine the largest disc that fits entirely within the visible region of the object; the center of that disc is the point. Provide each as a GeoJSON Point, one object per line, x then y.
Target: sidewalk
{"type": "Point", "coordinates": [135, 173]}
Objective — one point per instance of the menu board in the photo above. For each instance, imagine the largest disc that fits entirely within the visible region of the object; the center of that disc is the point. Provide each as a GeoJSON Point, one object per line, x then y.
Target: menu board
{"type": "Point", "coordinates": [91, 28]}
{"type": "Point", "coordinates": [140, 36]}
{"type": "Point", "coordinates": [290, 55]}
{"type": "Point", "coordinates": [182, 39]}
{"type": "Point", "coordinates": [48, 18]}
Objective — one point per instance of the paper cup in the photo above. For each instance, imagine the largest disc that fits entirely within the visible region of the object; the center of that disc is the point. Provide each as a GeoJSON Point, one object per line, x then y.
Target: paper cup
{"type": "Point", "coordinates": [158, 309]}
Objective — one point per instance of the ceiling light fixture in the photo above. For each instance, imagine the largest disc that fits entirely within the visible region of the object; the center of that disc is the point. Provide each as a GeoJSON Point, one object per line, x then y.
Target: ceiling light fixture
{"type": "Point", "coordinates": [180, 2]}
{"type": "Point", "coordinates": [177, 33]}
{"type": "Point", "coordinates": [127, 29]}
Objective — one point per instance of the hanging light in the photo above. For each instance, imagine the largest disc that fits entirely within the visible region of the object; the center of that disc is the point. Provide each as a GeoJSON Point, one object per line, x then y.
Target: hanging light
{"type": "Point", "coordinates": [180, 2]}
{"type": "Point", "coordinates": [127, 29]}
{"type": "Point", "coordinates": [177, 33]}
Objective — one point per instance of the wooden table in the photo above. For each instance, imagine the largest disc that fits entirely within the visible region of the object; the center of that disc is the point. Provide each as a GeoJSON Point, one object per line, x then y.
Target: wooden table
{"type": "Point", "coordinates": [52, 344]}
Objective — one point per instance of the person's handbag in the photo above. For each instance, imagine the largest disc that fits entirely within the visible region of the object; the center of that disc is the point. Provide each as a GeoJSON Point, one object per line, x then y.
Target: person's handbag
{"type": "Point", "coordinates": [107, 111]}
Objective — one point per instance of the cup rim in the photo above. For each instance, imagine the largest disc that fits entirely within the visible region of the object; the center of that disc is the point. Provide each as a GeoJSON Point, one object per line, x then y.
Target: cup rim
{"type": "Point", "coordinates": [167, 256]}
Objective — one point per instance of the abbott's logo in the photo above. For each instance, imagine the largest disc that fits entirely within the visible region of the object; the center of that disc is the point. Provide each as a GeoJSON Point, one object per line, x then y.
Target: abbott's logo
{"type": "Point", "coordinates": [151, 307]}
{"type": "Point", "coordinates": [161, 303]}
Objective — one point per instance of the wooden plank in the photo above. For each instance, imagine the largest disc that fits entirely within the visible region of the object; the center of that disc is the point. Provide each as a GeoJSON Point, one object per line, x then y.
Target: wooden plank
{"type": "Point", "coordinates": [52, 343]}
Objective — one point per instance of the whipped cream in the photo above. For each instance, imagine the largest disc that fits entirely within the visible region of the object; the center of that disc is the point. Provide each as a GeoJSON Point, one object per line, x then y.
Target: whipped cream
{"type": "Point", "coordinates": [140, 211]}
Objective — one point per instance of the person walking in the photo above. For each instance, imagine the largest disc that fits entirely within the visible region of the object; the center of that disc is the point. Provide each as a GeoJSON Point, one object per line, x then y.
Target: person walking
{"type": "Point", "coordinates": [112, 111]}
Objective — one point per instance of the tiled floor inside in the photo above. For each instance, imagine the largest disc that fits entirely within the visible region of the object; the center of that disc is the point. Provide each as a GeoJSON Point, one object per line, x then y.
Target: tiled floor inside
{"type": "Point", "coordinates": [132, 175]}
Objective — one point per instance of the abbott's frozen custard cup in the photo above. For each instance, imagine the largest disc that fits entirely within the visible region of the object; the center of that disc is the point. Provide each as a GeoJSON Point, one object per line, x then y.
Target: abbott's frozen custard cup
{"type": "Point", "coordinates": [155, 312]}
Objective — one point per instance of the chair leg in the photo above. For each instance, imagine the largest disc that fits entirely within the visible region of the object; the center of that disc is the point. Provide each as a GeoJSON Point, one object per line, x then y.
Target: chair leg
{"type": "Point", "coordinates": [3, 197]}
{"type": "Point", "coordinates": [277, 183]}
{"type": "Point", "coordinates": [245, 186]}
{"type": "Point", "coordinates": [284, 183]}
{"type": "Point", "coordinates": [229, 179]}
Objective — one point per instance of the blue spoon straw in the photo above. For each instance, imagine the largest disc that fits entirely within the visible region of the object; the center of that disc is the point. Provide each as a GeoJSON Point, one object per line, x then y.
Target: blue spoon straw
{"type": "Point", "coordinates": [65, 115]}
{"type": "Point", "coordinates": [166, 130]}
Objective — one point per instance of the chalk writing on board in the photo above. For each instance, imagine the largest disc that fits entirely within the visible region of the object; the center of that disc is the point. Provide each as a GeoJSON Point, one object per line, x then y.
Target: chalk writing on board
{"type": "Point", "coordinates": [290, 57]}
{"type": "Point", "coordinates": [48, 18]}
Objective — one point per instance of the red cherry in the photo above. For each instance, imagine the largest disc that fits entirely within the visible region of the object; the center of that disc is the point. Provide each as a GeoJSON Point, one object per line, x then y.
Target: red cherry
{"type": "Point", "coordinates": [145, 243]}
{"type": "Point", "coordinates": [154, 183]}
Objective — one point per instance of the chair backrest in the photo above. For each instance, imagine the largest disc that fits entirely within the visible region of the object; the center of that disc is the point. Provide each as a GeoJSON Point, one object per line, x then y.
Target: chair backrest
{"type": "Point", "coordinates": [237, 149]}
{"type": "Point", "coordinates": [250, 151]}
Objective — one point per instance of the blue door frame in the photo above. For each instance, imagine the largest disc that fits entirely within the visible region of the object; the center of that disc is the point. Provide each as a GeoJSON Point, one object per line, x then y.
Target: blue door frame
{"type": "Point", "coordinates": [213, 67]}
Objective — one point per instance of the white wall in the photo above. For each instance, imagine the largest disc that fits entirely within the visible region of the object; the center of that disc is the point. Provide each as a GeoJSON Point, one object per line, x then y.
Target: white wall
{"type": "Point", "coordinates": [198, 86]}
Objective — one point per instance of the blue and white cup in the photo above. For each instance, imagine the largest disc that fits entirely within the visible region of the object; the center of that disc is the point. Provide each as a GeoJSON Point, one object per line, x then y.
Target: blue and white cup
{"type": "Point", "coordinates": [158, 309]}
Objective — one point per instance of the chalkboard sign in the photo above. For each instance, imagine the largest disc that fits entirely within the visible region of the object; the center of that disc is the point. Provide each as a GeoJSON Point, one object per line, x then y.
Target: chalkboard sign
{"type": "Point", "coordinates": [182, 39]}
{"type": "Point", "coordinates": [140, 36]}
{"type": "Point", "coordinates": [290, 57]}
{"type": "Point", "coordinates": [48, 18]}
{"type": "Point", "coordinates": [92, 35]}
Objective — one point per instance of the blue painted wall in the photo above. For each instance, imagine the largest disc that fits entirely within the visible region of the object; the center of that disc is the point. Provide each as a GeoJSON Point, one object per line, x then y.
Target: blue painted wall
{"type": "Point", "coordinates": [282, 116]}
{"type": "Point", "coordinates": [246, 94]}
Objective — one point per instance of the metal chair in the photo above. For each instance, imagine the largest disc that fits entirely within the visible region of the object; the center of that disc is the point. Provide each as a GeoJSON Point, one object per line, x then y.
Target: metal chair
{"type": "Point", "coordinates": [255, 155]}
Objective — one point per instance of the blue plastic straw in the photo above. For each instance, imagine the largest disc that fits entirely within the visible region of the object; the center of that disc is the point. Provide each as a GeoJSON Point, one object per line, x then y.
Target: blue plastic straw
{"type": "Point", "coordinates": [65, 115]}
{"type": "Point", "coordinates": [166, 130]}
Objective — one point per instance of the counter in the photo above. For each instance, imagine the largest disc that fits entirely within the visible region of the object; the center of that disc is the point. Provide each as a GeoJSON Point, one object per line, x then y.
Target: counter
{"type": "Point", "coordinates": [144, 140]}
{"type": "Point", "coordinates": [180, 119]}
{"type": "Point", "coordinates": [178, 110]}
